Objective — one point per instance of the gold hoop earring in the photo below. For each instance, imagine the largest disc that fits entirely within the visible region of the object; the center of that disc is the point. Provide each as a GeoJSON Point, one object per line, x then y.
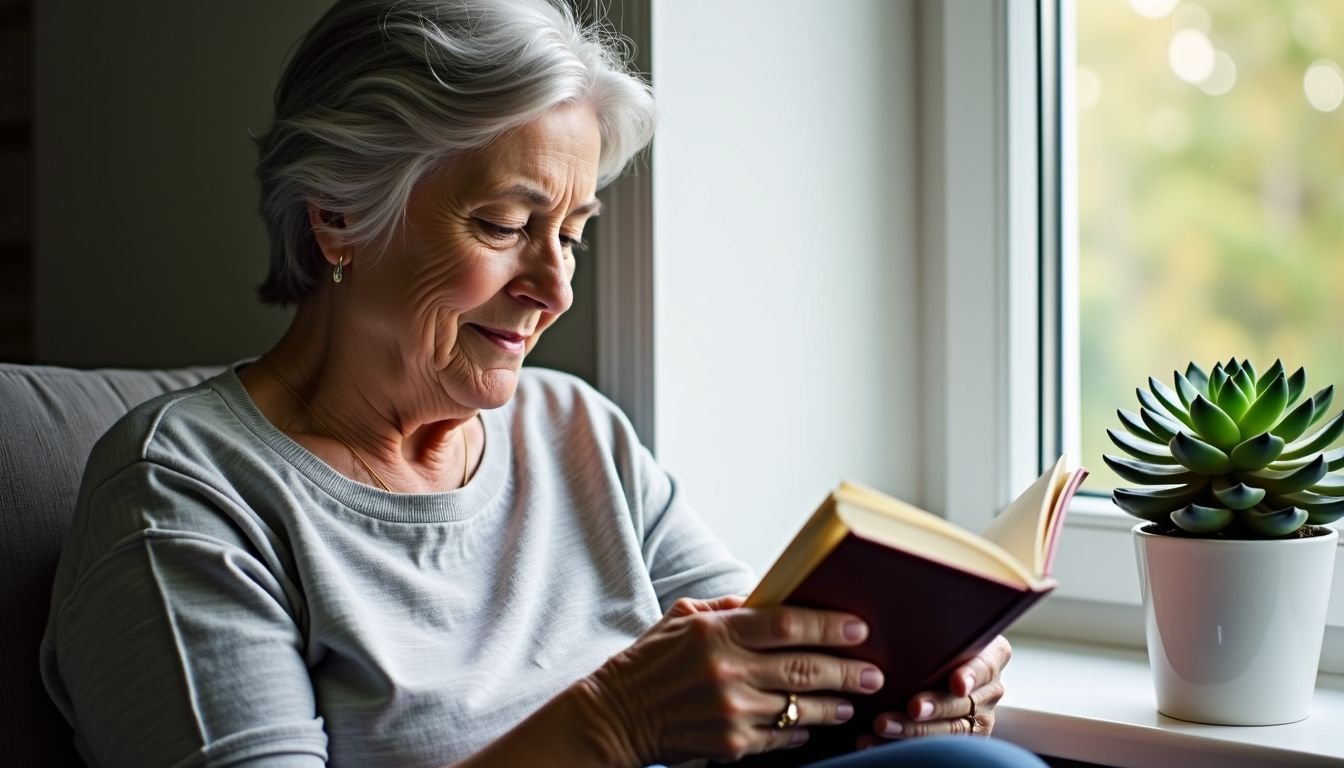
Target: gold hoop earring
{"type": "Point", "coordinates": [338, 272]}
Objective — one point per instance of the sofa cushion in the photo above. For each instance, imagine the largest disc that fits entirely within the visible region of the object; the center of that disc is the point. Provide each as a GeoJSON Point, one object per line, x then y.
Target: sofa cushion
{"type": "Point", "coordinates": [51, 418]}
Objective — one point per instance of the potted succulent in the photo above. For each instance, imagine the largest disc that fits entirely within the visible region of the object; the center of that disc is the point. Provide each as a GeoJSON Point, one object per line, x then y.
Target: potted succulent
{"type": "Point", "coordinates": [1234, 559]}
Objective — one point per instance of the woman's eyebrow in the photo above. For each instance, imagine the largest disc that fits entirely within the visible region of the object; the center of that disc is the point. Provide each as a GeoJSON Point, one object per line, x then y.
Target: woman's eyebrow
{"type": "Point", "coordinates": [541, 200]}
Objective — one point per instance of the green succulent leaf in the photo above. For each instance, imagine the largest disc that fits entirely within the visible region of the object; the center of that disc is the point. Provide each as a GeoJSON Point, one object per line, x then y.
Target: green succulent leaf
{"type": "Point", "coordinates": [1322, 402]}
{"type": "Point", "coordinates": [1217, 380]}
{"type": "Point", "coordinates": [1184, 389]}
{"type": "Point", "coordinates": [1232, 367]}
{"type": "Point", "coordinates": [1234, 495]}
{"type": "Point", "coordinates": [1333, 460]}
{"type": "Point", "coordinates": [1257, 452]}
{"type": "Point", "coordinates": [1233, 401]}
{"type": "Point", "coordinates": [1161, 426]}
{"type": "Point", "coordinates": [1169, 402]}
{"type": "Point", "coordinates": [1296, 422]}
{"type": "Point", "coordinates": [1318, 441]}
{"type": "Point", "coordinates": [1320, 509]}
{"type": "Point", "coordinates": [1296, 384]}
{"type": "Point", "coordinates": [1324, 517]}
{"type": "Point", "coordinates": [1145, 473]}
{"type": "Point", "coordinates": [1155, 504]}
{"type": "Point", "coordinates": [1274, 523]}
{"type": "Point", "coordinates": [1147, 401]}
{"type": "Point", "coordinates": [1196, 375]}
{"type": "Point", "coordinates": [1141, 449]}
{"type": "Point", "coordinates": [1134, 425]}
{"type": "Point", "coordinates": [1245, 382]}
{"type": "Point", "coordinates": [1266, 409]}
{"type": "Point", "coordinates": [1292, 481]}
{"type": "Point", "coordinates": [1248, 368]}
{"type": "Point", "coordinates": [1213, 424]}
{"type": "Point", "coordinates": [1202, 520]}
{"type": "Point", "coordinates": [1274, 371]}
{"type": "Point", "coordinates": [1330, 485]}
{"type": "Point", "coordinates": [1198, 455]}
{"type": "Point", "coordinates": [1312, 502]}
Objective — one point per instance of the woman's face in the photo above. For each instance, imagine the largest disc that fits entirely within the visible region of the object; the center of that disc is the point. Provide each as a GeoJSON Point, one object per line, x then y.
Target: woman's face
{"type": "Point", "coordinates": [483, 262]}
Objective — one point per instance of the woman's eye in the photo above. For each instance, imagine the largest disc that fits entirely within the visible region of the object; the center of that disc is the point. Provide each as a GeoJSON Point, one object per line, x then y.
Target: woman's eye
{"type": "Point", "coordinates": [499, 231]}
{"type": "Point", "coordinates": [573, 243]}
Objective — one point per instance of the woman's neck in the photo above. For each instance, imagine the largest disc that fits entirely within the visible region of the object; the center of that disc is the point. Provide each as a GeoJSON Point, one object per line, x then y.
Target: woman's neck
{"type": "Point", "coordinates": [336, 400]}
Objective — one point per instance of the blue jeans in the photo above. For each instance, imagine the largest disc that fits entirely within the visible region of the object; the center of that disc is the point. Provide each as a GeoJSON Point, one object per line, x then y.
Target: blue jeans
{"type": "Point", "coordinates": [935, 752]}
{"type": "Point", "coordinates": [938, 752]}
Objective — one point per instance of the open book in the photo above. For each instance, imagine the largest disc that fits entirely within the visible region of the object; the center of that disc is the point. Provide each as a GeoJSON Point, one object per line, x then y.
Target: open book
{"type": "Point", "coordinates": [933, 594]}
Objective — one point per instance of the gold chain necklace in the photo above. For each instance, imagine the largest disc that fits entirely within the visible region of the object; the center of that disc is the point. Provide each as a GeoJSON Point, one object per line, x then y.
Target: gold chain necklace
{"type": "Point", "coordinates": [466, 453]}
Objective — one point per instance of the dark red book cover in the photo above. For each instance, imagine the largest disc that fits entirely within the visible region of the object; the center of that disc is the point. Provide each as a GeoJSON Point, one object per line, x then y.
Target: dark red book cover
{"type": "Point", "coordinates": [925, 618]}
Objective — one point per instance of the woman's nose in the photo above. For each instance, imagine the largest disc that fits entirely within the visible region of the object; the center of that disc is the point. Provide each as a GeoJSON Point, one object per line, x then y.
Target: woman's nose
{"type": "Point", "coordinates": [544, 282]}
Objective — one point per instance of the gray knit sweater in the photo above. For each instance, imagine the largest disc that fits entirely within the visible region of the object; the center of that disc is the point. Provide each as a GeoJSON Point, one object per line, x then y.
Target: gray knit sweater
{"type": "Point", "coordinates": [226, 598]}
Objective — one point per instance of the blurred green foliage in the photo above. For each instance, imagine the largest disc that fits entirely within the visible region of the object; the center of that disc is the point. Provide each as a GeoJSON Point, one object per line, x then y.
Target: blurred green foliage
{"type": "Point", "coordinates": [1210, 226]}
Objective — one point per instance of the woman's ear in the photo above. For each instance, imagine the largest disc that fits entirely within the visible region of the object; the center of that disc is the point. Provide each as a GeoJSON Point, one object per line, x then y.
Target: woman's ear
{"type": "Point", "coordinates": [324, 224]}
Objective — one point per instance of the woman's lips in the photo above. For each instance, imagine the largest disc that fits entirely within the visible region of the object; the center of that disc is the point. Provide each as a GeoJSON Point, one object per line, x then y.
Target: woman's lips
{"type": "Point", "coordinates": [513, 343]}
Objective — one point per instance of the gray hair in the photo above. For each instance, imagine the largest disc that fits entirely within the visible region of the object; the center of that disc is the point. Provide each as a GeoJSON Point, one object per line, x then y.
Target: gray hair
{"type": "Point", "coordinates": [380, 92]}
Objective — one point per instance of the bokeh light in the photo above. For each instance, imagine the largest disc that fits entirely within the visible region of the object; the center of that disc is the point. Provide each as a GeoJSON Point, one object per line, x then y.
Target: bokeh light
{"type": "Point", "coordinates": [1324, 85]}
{"type": "Point", "coordinates": [1223, 76]}
{"type": "Point", "coordinates": [1153, 9]}
{"type": "Point", "coordinates": [1191, 55]}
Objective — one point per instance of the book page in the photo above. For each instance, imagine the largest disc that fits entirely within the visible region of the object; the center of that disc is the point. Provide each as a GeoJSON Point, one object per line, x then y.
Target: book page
{"type": "Point", "coordinates": [1023, 527]}
{"type": "Point", "coordinates": [877, 516]}
{"type": "Point", "coordinates": [1061, 506]}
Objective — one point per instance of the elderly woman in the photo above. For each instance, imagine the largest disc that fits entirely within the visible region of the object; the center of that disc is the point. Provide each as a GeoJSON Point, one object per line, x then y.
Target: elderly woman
{"type": "Point", "coordinates": [383, 542]}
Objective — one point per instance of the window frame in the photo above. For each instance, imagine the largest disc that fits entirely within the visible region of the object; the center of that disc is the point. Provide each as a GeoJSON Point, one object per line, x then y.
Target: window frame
{"type": "Point", "coordinates": [993, 76]}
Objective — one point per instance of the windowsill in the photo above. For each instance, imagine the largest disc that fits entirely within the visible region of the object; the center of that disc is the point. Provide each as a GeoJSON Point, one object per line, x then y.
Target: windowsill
{"type": "Point", "coordinates": [1096, 704]}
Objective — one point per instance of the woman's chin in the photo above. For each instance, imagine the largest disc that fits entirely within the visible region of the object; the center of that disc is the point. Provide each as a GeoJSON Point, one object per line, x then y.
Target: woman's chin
{"type": "Point", "coordinates": [493, 388]}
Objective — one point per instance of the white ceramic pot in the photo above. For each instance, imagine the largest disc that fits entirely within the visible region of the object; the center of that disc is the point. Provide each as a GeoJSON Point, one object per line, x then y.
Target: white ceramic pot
{"type": "Point", "coordinates": [1234, 627]}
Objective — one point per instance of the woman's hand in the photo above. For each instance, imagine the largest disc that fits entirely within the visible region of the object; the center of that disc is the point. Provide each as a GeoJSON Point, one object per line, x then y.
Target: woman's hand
{"type": "Point", "coordinates": [941, 712]}
{"type": "Point", "coordinates": [711, 679]}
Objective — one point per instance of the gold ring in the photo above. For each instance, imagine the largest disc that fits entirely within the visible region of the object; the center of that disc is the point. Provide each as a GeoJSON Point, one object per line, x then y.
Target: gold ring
{"type": "Point", "coordinates": [970, 719]}
{"type": "Point", "coordinates": [789, 717]}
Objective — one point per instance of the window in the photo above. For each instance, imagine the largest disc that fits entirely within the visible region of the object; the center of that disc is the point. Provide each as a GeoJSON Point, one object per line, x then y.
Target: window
{"type": "Point", "coordinates": [1210, 194]}
{"type": "Point", "coordinates": [1062, 271]}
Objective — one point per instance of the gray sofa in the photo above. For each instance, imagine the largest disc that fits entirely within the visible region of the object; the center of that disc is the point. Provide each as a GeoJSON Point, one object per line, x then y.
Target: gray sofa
{"type": "Point", "coordinates": [51, 418]}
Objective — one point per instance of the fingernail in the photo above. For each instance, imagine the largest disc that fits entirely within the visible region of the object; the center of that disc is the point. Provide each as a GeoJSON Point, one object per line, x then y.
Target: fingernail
{"type": "Point", "coordinates": [870, 679]}
{"type": "Point", "coordinates": [855, 630]}
{"type": "Point", "coordinates": [843, 712]}
{"type": "Point", "coordinates": [925, 710]}
{"type": "Point", "coordinates": [969, 680]}
{"type": "Point", "coordinates": [798, 737]}
{"type": "Point", "coordinates": [892, 730]}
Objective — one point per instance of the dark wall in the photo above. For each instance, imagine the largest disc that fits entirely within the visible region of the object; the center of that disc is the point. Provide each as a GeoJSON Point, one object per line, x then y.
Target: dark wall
{"type": "Point", "coordinates": [148, 245]}
{"type": "Point", "coordinates": [15, 180]}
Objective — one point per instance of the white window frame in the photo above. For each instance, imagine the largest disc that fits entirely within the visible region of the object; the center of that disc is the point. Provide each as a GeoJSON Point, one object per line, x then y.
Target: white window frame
{"type": "Point", "coordinates": [1000, 347]}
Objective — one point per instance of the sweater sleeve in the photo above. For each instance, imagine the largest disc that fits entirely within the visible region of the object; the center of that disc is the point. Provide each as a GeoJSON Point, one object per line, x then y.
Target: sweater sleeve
{"type": "Point", "coordinates": [684, 557]}
{"type": "Point", "coordinates": [177, 648]}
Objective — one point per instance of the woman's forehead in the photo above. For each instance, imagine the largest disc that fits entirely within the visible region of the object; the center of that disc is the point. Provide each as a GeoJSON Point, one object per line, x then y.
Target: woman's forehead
{"type": "Point", "coordinates": [550, 161]}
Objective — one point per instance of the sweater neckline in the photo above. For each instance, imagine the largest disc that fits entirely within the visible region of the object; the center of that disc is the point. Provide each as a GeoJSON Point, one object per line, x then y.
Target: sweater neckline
{"type": "Point", "coordinates": [446, 506]}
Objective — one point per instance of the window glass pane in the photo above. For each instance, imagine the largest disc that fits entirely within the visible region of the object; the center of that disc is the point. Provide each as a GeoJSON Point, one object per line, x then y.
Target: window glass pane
{"type": "Point", "coordinates": [1210, 178]}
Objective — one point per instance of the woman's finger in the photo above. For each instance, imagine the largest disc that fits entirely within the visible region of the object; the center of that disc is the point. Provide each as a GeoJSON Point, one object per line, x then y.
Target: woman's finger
{"type": "Point", "coordinates": [688, 606]}
{"type": "Point", "coordinates": [799, 672]}
{"type": "Point", "coordinates": [811, 710]}
{"type": "Point", "coordinates": [902, 729]}
{"type": "Point", "coordinates": [784, 738]}
{"type": "Point", "coordinates": [785, 626]}
{"type": "Point", "coordinates": [893, 725]}
{"type": "Point", "coordinates": [945, 706]}
{"type": "Point", "coordinates": [985, 667]}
